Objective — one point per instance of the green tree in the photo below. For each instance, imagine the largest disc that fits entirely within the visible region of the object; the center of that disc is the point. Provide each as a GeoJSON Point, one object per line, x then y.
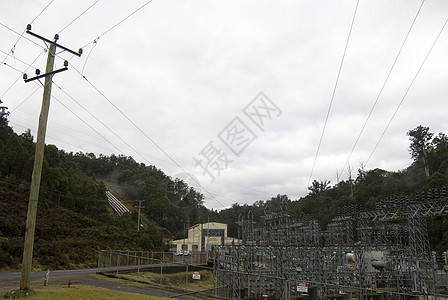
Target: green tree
{"type": "Point", "coordinates": [317, 187]}
{"type": "Point", "coordinates": [421, 145]}
{"type": "Point", "coordinates": [439, 153]}
{"type": "Point", "coordinates": [5, 130]}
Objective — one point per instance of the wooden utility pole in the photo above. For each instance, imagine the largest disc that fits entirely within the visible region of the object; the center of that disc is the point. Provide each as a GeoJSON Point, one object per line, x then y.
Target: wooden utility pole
{"type": "Point", "coordinates": [27, 261]}
{"type": "Point", "coordinates": [36, 177]}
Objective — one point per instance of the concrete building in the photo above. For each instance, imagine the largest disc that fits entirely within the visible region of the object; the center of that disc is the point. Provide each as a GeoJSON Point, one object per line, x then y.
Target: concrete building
{"type": "Point", "coordinates": [201, 237]}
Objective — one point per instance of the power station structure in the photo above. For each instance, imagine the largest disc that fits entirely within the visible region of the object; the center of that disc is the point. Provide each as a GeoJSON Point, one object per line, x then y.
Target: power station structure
{"type": "Point", "coordinates": [378, 254]}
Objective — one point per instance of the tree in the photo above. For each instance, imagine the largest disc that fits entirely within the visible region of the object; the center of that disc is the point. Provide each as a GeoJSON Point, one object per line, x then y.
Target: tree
{"type": "Point", "coordinates": [439, 154]}
{"type": "Point", "coordinates": [317, 187]}
{"type": "Point", "coordinates": [421, 145]}
{"type": "Point", "coordinates": [5, 130]}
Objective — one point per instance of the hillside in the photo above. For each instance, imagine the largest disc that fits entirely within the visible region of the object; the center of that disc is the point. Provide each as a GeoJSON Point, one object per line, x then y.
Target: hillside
{"type": "Point", "coordinates": [428, 172]}
{"type": "Point", "coordinates": [74, 219]}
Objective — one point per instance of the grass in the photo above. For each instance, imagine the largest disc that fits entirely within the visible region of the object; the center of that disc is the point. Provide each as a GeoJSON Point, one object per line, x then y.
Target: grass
{"type": "Point", "coordinates": [177, 280]}
{"type": "Point", "coordinates": [80, 292]}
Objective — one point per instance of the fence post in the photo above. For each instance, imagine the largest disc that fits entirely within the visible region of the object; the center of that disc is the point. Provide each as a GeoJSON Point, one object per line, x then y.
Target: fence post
{"type": "Point", "coordinates": [161, 271]}
{"type": "Point", "coordinates": [110, 260]}
{"type": "Point", "coordinates": [99, 260]}
{"type": "Point", "coordinates": [138, 267]}
{"type": "Point", "coordinates": [186, 274]}
{"type": "Point", "coordinates": [118, 260]}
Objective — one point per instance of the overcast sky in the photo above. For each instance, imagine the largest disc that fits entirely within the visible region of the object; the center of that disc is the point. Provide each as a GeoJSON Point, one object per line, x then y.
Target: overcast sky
{"type": "Point", "coordinates": [235, 93]}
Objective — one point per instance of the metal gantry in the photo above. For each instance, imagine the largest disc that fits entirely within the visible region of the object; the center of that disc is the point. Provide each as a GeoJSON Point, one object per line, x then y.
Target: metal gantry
{"type": "Point", "coordinates": [378, 254]}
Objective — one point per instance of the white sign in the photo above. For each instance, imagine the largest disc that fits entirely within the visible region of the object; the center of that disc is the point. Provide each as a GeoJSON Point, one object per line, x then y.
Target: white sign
{"type": "Point", "coordinates": [196, 276]}
{"type": "Point", "coordinates": [302, 288]}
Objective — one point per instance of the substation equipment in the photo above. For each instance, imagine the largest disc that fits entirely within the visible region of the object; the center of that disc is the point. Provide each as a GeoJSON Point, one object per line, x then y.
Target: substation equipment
{"type": "Point", "coordinates": [379, 254]}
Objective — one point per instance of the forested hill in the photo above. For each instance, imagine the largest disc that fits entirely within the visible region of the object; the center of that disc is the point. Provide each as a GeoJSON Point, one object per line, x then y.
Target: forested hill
{"type": "Point", "coordinates": [427, 173]}
{"type": "Point", "coordinates": [74, 218]}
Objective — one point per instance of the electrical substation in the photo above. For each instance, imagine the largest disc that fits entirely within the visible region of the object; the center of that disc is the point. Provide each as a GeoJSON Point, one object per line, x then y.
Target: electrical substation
{"type": "Point", "coordinates": [378, 254]}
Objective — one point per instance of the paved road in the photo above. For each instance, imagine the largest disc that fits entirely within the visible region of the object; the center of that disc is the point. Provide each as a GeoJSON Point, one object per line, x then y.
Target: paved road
{"type": "Point", "coordinates": [11, 280]}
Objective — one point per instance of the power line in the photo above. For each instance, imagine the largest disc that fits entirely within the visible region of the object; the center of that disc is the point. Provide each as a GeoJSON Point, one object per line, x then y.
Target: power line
{"type": "Point", "coordinates": [102, 123]}
{"type": "Point", "coordinates": [60, 102]}
{"type": "Point", "coordinates": [16, 58]}
{"type": "Point", "coordinates": [212, 195]}
{"type": "Point", "coordinates": [21, 34]}
{"type": "Point", "coordinates": [77, 138]}
{"type": "Point", "coordinates": [38, 15]}
{"type": "Point", "coordinates": [334, 92]}
{"type": "Point", "coordinates": [78, 17]}
{"type": "Point", "coordinates": [95, 41]}
{"type": "Point", "coordinates": [12, 67]}
{"type": "Point", "coordinates": [20, 77]}
{"type": "Point", "coordinates": [50, 136]}
{"type": "Point", "coordinates": [150, 139]}
{"type": "Point", "coordinates": [48, 191]}
{"type": "Point", "coordinates": [109, 128]}
{"type": "Point", "coordinates": [14, 46]}
{"type": "Point", "coordinates": [26, 99]}
{"type": "Point", "coordinates": [407, 91]}
{"type": "Point", "coordinates": [144, 134]}
{"type": "Point", "coordinates": [383, 86]}
{"type": "Point", "coordinates": [111, 28]}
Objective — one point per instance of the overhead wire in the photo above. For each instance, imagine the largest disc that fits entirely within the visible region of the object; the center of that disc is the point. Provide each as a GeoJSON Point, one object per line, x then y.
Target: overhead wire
{"type": "Point", "coordinates": [26, 99]}
{"type": "Point", "coordinates": [47, 191]}
{"type": "Point", "coordinates": [333, 93]}
{"type": "Point", "coordinates": [39, 86]}
{"type": "Point", "coordinates": [16, 59]}
{"type": "Point", "coordinates": [29, 65]}
{"type": "Point", "coordinates": [407, 91]}
{"type": "Point", "coordinates": [87, 124]}
{"type": "Point", "coordinates": [121, 112]}
{"type": "Point", "coordinates": [20, 77]}
{"type": "Point", "coordinates": [87, 58]}
{"type": "Point", "coordinates": [102, 123]}
{"type": "Point", "coordinates": [95, 41]}
{"type": "Point", "coordinates": [149, 138]}
{"type": "Point", "coordinates": [79, 16]}
{"type": "Point", "coordinates": [118, 23]}
{"type": "Point", "coordinates": [123, 139]}
{"type": "Point", "coordinates": [38, 15]}
{"type": "Point", "coordinates": [59, 128]}
{"type": "Point", "coordinates": [47, 135]}
{"type": "Point", "coordinates": [144, 133]}
{"type": "Point", "coordinates": [14, 46]}
{"type": "Point", "coordinates": [21, 34]}
{"type": "Point", "coordinates": [382, 88]}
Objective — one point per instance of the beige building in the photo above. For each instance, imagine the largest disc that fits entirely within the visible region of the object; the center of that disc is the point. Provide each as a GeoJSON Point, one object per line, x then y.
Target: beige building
{"type": "Point", "coordinates": [201, 237]}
